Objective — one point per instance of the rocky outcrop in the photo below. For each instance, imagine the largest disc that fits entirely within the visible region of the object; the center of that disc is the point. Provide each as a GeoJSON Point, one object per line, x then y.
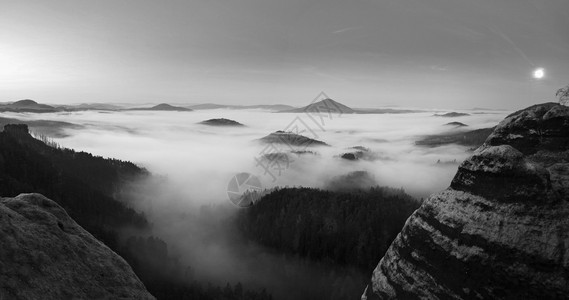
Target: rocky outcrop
{"type": "Point", "coordinates": [44, 254]}
{"type": "Point", "coordinates": [501, 230]}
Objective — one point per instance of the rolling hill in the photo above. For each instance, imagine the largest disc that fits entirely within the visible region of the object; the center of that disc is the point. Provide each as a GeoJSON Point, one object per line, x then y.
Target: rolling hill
{"type": "Point", "coordinates": [27, 105]}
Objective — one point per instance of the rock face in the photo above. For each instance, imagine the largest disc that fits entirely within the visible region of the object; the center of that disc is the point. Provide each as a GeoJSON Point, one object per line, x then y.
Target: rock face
{"type": "Point", "coordinates": [501, 230]}
{"type": "Point", "coordinates": [44, 254]}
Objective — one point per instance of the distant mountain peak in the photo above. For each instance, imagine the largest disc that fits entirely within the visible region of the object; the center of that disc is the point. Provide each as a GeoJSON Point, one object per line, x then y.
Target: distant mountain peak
{"type": "Point", "coordinates": [327, 100]}
{"type": "Point", "coordinates": [163, 105]}
{"type": "Point", "coordinates": [324, 106]}
{"type": "Point", "coordinates": [27, 105]}
{"type": "Point", "coordinates": [25, 102]}
{"type": "Point", "coordinates": [330, 105]}
{"type": "Point", "coordinates": [452, 115]}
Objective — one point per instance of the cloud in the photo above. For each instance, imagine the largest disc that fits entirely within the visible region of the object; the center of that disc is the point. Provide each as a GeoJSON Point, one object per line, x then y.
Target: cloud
{"type": "Point", "coordinates": [345, 29]}
{"type": "Point", "coordinates": [438, 68]}
{"type": "Point", "coordinates": [202, 159]}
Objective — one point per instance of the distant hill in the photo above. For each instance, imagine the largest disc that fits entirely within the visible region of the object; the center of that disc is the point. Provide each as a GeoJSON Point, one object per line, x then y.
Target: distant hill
{"type": "Point", "coordinates": [273, 107]}
{"type": "Point", "coordinates": [90, 106]}
{"type": "Point", "coordinates": [27, 105]}
{"type": "Point", "coordinates": [164, 107]}
{"type": "Point", "coordinates": [221, 122]}
{"type": "Point", "coordinates": [452, 115]}
{"type": "Point", "coordinates": [332, 106]}
{"type": "Point", "coordinates": [207, 106]}
{"type": "Point", "coordinates": [385, 111]}
{"type": "Point", "coordinates": [323, 106]}
{"type": "Point", "coordinates": [291, 139]}
{"type": "Point", "coordinates": [456, 124]}
{"type": "Point", "coordinates": [474, 138]}
{"type": "Point", "coordinates": [488, 109]}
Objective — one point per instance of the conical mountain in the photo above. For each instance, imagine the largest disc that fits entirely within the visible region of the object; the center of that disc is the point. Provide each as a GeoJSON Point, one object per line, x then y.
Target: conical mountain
{"type": "Point", "coordinates": [324, 106]}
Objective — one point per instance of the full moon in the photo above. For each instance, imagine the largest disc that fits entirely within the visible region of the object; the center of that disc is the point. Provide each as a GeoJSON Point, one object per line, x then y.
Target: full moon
{"type": "Point", "coordinates": [538, 73]}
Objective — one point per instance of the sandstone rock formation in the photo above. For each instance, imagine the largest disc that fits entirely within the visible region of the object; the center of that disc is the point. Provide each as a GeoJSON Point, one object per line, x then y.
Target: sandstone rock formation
{"type": "Point", "coordinates": [44, 254]}
{"type": "Point", "coordinates": [501, 230]}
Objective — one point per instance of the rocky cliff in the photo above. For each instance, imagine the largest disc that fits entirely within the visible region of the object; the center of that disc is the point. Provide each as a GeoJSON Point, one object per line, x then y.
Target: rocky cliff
{"type": "Point", "coordinates": [44, 254]}
{"type": "Point", "coordinates": [501, 230]}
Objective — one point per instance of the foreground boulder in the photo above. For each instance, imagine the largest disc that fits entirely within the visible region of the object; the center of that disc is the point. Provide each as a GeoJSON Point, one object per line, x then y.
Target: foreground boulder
{"type": "Point", "coordinates": [44, 254]}
{"type": "Point", "coordinates": [501, 230]}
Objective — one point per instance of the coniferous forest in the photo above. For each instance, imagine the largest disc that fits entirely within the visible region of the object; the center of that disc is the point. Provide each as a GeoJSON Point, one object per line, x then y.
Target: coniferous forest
{"type": "Point", "coordinates": [346, 228]}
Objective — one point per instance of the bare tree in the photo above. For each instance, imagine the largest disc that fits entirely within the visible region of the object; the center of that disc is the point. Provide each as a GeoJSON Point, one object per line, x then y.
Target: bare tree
{"type": "Point", "coordinates": [563, 95]}
{"type": "Point", "coordinates": [46, 140]}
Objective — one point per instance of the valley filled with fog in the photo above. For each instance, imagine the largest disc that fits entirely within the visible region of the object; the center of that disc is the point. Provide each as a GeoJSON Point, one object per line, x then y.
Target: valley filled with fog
{"type": "Point", "coordinates": [202, 159]}
{"type": "Point", "coordinates": [187, 202]}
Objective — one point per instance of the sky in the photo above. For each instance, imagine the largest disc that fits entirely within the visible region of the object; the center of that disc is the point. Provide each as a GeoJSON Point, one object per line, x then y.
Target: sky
{"type": "Point", "coordinates": [363, 53]}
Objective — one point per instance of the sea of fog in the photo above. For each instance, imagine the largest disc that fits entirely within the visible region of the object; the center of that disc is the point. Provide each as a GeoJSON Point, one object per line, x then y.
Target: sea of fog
{"type": "Point", "coordinates": [202, 159]}
{"type": "Point", "coordinates": [196, 162]}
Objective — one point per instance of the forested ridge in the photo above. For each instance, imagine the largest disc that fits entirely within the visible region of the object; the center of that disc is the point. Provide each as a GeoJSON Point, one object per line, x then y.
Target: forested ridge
{"type": "Point", "coordinates": [347, 228]}
{"type": "Point", "coordinates": [83, 184]}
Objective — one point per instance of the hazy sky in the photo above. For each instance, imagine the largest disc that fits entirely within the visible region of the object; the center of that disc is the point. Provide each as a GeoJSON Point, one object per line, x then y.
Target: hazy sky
{"type": "Point", "coordinates": [429, 53]}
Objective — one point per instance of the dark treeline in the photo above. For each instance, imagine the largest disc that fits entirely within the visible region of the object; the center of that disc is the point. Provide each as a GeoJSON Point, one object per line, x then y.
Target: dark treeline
{"type": "Point", "coordinates": [85, 185]}
{"type": "Point", "coordinates": [354, 228]}
{"type": "Point", "coordinates": [90, 189]}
